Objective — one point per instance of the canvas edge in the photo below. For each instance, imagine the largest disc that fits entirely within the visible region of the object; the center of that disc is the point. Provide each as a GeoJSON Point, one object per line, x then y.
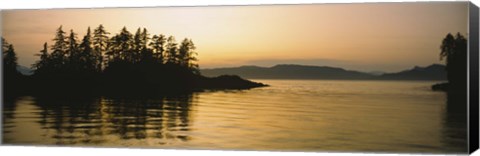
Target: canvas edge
{"type": "Point", "coordinates": [1, 78]}
{"type": "Point", "coordinates": [473, 78]}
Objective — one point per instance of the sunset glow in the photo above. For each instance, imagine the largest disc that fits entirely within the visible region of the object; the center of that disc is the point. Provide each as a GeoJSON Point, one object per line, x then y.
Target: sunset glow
{"type": "Point", "coordinates": [365, 37]}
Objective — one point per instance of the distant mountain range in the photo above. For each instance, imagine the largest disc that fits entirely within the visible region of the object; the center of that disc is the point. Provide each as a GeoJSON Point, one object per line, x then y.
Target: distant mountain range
{"type": "Point", "coordinates": [24, 70]}
{"type": "Point", "coordinates": [432, 72]}
{"type": "Point", "coordinates": [291, 71]}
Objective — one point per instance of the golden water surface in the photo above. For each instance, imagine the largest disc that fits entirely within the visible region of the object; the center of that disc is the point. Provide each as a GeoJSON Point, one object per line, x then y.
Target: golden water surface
{"type": "Point", "coordinates": [290, 115]}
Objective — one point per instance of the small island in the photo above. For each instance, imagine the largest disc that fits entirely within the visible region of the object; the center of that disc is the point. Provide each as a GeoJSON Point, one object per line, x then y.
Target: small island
{"type": "Point", "coordinates": [124, 64]}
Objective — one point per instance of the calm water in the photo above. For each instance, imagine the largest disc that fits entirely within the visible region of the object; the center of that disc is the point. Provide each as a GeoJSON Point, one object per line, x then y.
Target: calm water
{"type": "Point", "coordinates": [291, 115]}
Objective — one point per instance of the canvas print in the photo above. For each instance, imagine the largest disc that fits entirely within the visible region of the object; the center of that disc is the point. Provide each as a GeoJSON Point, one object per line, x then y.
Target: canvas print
{"type": "Point", "coordinates": [371, 77]}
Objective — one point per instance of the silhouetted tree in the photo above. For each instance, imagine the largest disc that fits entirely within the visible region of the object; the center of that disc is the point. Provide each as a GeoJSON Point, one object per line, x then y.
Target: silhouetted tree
{"type": "Point", "coordinates": [10, 61]}
{"type": "Point", "coordinates": [120, 47]}
{"type": "Point", "coordinates": [186, 55]}
{"type": "Point", "coordinates": [9, 57]}
{"type": "Point", "coordinates": [12, 79]}
{"type": "Point", "coordinates": [4, 45]}
{"type": "Point", "coordinates": [88, 58]}
{"type": "Point", "coordinates": [137, 46]}
{"type": "Point", "coordinates": [172, 50]}
{"type": "Point", "coordinates": [74, 61]}
{"type": "Point", "coordinates": [41, 64]}
{"type": "Point", "coordinates": [100, 45]}
{"type": "Point", "coordinates": [158, 45]}
{"type": "Point", "coordinates": [112, 51]}
{"type": "Point", "coordinates": [447, 48]}
{"type": "Point", "coordinates": [145, 52]}
{"type": "Point", "coordinates": [145, 37]}
{"type": "Point", "coordinates": [59, 49]}
{"type": "Point", "coordinates": [124, 42]}
{"type": "Point", "coordinates": [454, 51]}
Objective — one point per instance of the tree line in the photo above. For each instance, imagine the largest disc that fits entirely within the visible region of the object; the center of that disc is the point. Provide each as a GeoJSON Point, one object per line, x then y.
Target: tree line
{"type": "Point", "coordinates": [121, 64]}
{"type": "Point", "coordinates": [97, 51]}
{"type": "Point", "coordinates": [101, 63]}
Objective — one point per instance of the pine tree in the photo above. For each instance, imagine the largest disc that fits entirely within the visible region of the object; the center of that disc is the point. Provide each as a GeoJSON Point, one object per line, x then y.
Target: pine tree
{"type": "Point", "coordinates": [137, 45]}
{"type": "Point", "coordinates": [100, 45]}
{"type": "Point", "coordinates": [89, 59]}
{"type": "Point", "coordinates": [10, 60]}
{"type": "Point", "coordinates": [124, 41]}
{"type": "Point", "coordinates": [145, 38]}
{"type": "Point", "coordinates": [158, 45]}
{"type": "Point", "coordinates": [172, 49]}
{"type": "Point", "coordinates": [12, 79]}
{"type": "Point", "coordinates": [146, 53]}
{"type": "Point", "coordinates": [73, 52]}
{"type": "Point", "coordinates": [186, 55]}
{"type": "Point", "coordinates": [59, 49]}
{"type": "Point", "coordinates": [4, 45]}
{"type": "Point", "coordinates": [113, 50]}
{"type": "Point", "coordinates": [447, 47]}
{"type": "Point", "coordinates": [183, 53]}
{"type": "Point", "coordinates": [41, 64]}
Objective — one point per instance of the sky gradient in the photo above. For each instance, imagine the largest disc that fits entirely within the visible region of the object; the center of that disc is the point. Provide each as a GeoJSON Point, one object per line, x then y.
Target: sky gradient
{"type": "Point", "coordinates": [367, 37]}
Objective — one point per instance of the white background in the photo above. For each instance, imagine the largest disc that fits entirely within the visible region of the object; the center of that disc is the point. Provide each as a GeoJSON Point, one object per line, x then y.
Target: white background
{"type": "Point", "coordinates": [78, 151]}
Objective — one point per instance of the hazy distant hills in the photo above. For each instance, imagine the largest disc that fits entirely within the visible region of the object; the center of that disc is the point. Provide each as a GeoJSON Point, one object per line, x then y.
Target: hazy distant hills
{"type": "Point", "coordinates": [24, 70]}
{"type": "Point", "coordinates": [432, 72]}
{"type": "Point", "coordinates": [290, 71]}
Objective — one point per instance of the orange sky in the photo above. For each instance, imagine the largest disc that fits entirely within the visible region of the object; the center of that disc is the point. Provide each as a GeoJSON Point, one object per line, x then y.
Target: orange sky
{"type": "Point", "coordinates": [366, 37]}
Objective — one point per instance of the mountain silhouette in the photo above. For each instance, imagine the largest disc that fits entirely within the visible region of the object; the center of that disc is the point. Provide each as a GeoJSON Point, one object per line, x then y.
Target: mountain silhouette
{"type": "Point", "coordinates": [432, 72]}
{"type": "Point", "coordinates": [288, 71]}
{"type": "Point", "coordinates": [291, 71]}
{"type": "Point", "coordinates": [24, 70]}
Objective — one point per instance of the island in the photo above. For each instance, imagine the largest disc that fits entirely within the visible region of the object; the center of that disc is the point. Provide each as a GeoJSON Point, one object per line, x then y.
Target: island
{"type": "Point", "coordinates": [124, 64]}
